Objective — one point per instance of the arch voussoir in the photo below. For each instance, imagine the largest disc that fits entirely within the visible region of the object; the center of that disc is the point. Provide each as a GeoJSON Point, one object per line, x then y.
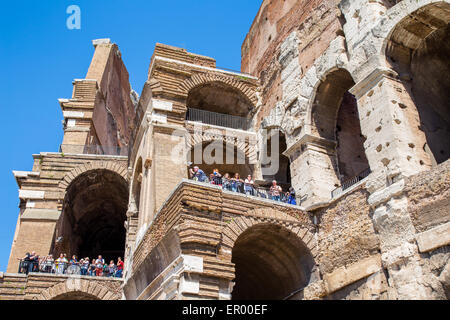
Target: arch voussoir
{"type": "Point", "coordinates": [204, 78]}
{"type": "Point", "coordinates": [98, 165]}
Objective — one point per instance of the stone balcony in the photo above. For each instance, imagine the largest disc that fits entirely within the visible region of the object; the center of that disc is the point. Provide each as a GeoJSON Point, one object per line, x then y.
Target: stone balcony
{"type": "Point", "coordinates": [45, 286]}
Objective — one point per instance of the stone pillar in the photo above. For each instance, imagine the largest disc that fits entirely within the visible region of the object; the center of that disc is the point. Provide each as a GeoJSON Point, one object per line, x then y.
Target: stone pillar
{"type": "Point", "coordinates": [313, 169]}
{"type": "Point", "coordinates": [168, 165]}
{"type": "Point", "coordinates": [390, 123]}
{"type": "Point", "coordinates": [34, 232]}
{"type": "Point", "coordinates": [400, 254]}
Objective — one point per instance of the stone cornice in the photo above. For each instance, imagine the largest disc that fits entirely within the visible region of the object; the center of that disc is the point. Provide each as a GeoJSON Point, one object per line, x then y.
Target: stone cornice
{"type": "Point", "coordinates": [309, 140]}
{"type": "Point", "coordinates": [363, 86]}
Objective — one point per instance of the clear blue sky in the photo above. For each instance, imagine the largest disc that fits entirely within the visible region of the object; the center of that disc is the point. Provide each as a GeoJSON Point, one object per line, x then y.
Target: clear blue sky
{"type": "Point", "coordinates": [40, 57]}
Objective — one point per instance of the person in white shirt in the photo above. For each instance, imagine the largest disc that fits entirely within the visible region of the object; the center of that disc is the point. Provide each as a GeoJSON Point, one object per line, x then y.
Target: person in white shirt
{"type": "Point", "coordinates": [248, 186]}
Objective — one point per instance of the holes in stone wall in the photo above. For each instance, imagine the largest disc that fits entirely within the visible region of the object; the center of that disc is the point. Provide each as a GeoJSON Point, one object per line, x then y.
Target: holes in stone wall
{"type": "Point", "coordinates": [418, 51]}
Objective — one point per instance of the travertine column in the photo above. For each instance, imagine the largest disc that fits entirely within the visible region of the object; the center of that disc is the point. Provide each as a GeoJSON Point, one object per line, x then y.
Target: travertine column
{"type": "Point", "coordinates": [169, 163]}
{"type": "Point", "coordinates": [313, 169]}
{"type": "Point", "coordinates": [390, 123]}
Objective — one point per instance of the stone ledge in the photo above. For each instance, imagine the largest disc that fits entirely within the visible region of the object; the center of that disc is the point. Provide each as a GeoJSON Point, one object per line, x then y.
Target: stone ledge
{"type": "Point", "coordinates": [40, 214]}
{"type": "Point", "coordinates": [65, 276]}
{"type": "Point", "coordinates": [434, 238]}
{"type": "Point", "coordinates": [385, 194]}
{"type": "Point", "coordinates": [344, 276]}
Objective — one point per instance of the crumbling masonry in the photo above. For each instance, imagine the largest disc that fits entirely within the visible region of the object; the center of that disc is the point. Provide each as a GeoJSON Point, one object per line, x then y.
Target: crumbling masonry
{"type": "Point", "coordinates": [357, 93]}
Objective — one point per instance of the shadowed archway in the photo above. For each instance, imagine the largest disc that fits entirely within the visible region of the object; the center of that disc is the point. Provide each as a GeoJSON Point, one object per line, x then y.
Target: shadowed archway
{"type": "Point", "coordinates": [271, 262]}
{"type": "Point", "coordinates": [335, 118]}
{"type": "Point", "coordinates": [418, 49]}
{"type": "Point", "coordinates": [76, 295]}
{"type": "Point", "coordinates": [94, 213]}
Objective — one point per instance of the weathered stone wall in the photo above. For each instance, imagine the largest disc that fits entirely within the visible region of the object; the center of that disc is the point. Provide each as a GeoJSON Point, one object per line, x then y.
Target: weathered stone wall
{"type": "Point", "coordinates": [102, 109]}
{"type": "Point", "coordinates": [42, 193]}
{"type": "Point", "coordinates": [207, 222]}
{"type": "Point", "coordinates": [313, 22]}
{"type": "Point", "coordinates": [35, 286]}
{"type": "Point", "coordinates": [429, 197]}
{"type": "Point", "coordinates": [386, 238]}
{"type": "Point", "coordinates": [114, 111]}
{"type": "Point", "coordinates": [346, 233]}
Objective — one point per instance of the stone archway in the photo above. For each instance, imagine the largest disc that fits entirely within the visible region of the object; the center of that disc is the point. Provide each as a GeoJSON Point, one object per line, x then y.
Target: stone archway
{"type": "Point", "coordinates": [417, 48]}
{"type": "Point", "coordinates": [276, 244]}
{"type": "Point", "coordinates": [201, 79]}
{"type": "Point", "coordinates": [213, 154]}
{"type": "Point", "coordinates": [93, 215]}
{"type": "Point", "coordinates": [271, 263]}
{"type": "Point", "coordinates": [78, 289]}
{"type": "Point", "coordinates": [109, 165]}
{"type": "Point", "coordinates": [335, 118]}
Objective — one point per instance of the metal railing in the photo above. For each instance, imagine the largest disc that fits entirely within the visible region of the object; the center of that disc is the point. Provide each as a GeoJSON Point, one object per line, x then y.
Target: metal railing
{"type": "Point", "coordinates": [94, 149]}
{"type": "Point", "coordinates": [218, 119]}
{"type": "Point", "coordinates": [350, 182]}
{"type": "Point", "coordinates": [254, 191]}
{"type": "Point", "coordinates": [67, 268]}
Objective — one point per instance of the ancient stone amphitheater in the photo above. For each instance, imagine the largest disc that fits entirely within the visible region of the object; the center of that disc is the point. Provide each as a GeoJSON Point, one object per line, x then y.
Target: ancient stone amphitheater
{"type": "Point", "coordinates": [356, 97]}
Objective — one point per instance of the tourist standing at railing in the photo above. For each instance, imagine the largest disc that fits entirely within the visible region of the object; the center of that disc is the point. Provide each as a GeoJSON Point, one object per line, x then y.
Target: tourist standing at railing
{"type": "Point", "coordinates": [92, 268]}
{"type": "Point", "coordinates": [105, 270]}
{"type": "Point", "coordinates": [111, 269]}
{"type": "Point", "coordinates": [84, 265]}
{"type": "Point", "coordinates": [275, 191]}
{"type": "Point", "coordinates": [248, 186]}
{"type": "Point", "coordinates": [74, 267]}
{"type": "Point", "coordinates": [49, 264]}
{"type": "Point", "coordinates": [237, 184]}
{"type": "Point", "coordinates": [226, 182]}
{"type": "Point", "coordinates": [197, 174]}
{"type": "Point", "coordinates": [24, 263]}
{"type": "Point", "coordinates": [292, 198]}
{"type": "Point", "coordinates": [211, 178]}
{"type": "Point", "coordinates": [42, 263]}
{"type": "Point", "coordinates": [99, 263]}
{"type": "Point", "coordinates": [34, 262]}
{"type": "Point", "coordinates": [217, 177]}
{"type": "Point", "coordinates": [119, 268]}
{"type": "Point", "coordinates": [61, 264]}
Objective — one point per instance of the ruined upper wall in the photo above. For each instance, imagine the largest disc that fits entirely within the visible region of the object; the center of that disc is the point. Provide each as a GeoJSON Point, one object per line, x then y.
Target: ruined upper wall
{"type": "Point", "coordinates": [316, 21]}
{"type": "Point", "coordinates": [308, 27]}
{"type": "Point", "coordinates": [114, 110]}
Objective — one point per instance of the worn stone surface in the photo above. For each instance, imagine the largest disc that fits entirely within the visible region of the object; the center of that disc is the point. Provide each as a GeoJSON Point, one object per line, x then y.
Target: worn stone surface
{"type": "Point", "coordinates": [356, 89]}
{"type": "Point", "coordinates": [50, 287]}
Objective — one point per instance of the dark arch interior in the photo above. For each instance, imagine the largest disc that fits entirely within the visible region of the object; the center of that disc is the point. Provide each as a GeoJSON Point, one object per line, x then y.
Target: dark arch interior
{"type": "Point", "coordinates": [94, 214]}
{"type": "Point", "coordinates": [335, 117]}
{"type": "Point", "coordinates": [75, 295]}
{"type": "Point", "coordinates": [221, 98]}
{"type": "Point", "coordinates": [210, 151]}
{"type": "Point", "coordinates": [283, 174]}
{"type": "Point", "coordinates": [271, 263]}
{"type": "Point", "coordinates": [419, 50]}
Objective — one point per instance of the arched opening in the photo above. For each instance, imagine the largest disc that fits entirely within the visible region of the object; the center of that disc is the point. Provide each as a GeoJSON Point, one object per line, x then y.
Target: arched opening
{"type": "Point", "coordinates": [276, 166]}
{"type": "Point", "coordinates": [94, 214]}
{"type": "Point", "coordinates": [219, 155]}
{"type": "Point", "coordinates": [217, 103]}
{"type": "Point", "coordinates": [76, 295]}
{"type": "Point", "coordinates": [418, 50]}
{"type": "Point", "coordinates": [271, 263]}
{"type": "Point", "coordinates": [335, 117]}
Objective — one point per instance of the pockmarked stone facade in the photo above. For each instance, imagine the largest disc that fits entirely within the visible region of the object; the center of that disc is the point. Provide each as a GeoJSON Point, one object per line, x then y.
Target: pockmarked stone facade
{"type": "Point", "coordinates": [345, 102]}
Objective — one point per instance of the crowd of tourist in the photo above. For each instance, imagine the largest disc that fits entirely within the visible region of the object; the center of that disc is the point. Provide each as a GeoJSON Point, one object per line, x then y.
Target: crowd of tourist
{"type": "Point", "coordinates": [85, 267]}
{"type": "Point", "coordinates": [246, 186]}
